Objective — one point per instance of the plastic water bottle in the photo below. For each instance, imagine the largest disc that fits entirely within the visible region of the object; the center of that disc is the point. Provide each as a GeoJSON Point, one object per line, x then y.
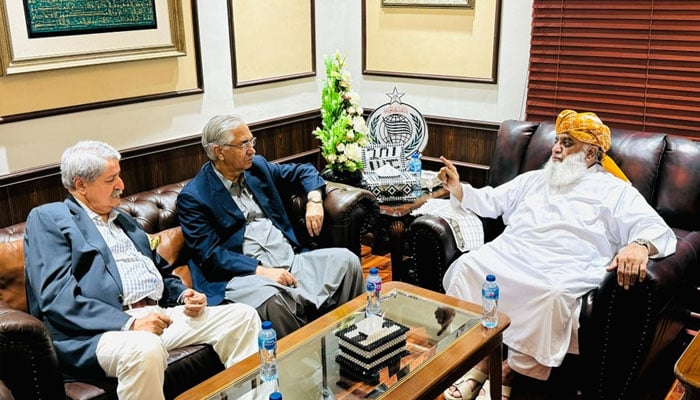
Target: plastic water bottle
{"type": "Point", "coordinates": [415, 168]}
{"type": "Point", "coordinates": [275, 396]}
{"type": "Point", "coordinates": [374, 293]}
{"type": "Point", "coordinates": [267, 345]}
{"type": "Point", "coordinates": [489, 302]}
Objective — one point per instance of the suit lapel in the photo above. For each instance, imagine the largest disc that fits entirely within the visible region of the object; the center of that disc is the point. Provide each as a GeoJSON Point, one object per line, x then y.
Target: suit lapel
{"type": "Point", "coordinates": [93, 238]}
{"type": "Point", "coordinates": [134, 233]}
{"type": "Point", "coordinates": [221, 196]}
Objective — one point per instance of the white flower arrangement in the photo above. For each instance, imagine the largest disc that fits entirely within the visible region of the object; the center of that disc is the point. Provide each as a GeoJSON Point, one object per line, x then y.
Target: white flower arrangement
{"type": "Point", "coordinates": [343, 133]}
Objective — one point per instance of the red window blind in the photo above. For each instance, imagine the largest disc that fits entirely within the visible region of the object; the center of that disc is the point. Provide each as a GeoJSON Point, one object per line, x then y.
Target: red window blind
{"type": "Point", "coordinates": [634, 63]}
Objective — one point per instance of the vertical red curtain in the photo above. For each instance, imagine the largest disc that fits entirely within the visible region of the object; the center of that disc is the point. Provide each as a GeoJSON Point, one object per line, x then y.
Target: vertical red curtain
{"type": "Point", "coordinates": [634, 63]}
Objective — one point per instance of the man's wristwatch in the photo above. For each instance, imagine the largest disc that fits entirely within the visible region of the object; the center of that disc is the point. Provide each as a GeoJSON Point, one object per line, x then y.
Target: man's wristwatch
{"type": "Point", "coordinates": [314, 197]}
{"type": "Point", "coordinates": [643, 242]}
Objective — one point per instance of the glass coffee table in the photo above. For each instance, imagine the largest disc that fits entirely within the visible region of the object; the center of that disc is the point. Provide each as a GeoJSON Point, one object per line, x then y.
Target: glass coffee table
{"type": "Point", "coordinates": [445, 339]}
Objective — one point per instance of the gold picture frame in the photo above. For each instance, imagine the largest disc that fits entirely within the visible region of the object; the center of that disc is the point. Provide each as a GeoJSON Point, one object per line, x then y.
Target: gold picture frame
{"type": "Point", "coordinates": [48, 92]}
{"type": "Point", "coordinates": [271, 41]}
{"type": "Point", "coordinates": [429, 3]}
{"type": "Point", "coordinates": [452, 44]}
{"type": "Point", "coordinates": [20, 53]}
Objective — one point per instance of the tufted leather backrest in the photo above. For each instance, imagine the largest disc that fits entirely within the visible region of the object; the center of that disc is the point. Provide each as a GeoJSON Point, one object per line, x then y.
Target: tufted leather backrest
{"type": "Point", "coordinates": [664, 168]}
{"type": "Point", "coordinates": [678, 199]}
{"type": "Point", "coordinates": [153, 209]}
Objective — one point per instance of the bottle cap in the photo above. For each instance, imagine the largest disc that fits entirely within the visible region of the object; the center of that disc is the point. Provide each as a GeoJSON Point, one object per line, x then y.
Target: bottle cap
{"type": "Point", "coordinates": [373, 271]}
{"type": "Point", "coordinates": [275, 396]}
{"type": "Point", "coordinates": [491, 278]}
{"type": "Point", "coordinates": [267, 325]}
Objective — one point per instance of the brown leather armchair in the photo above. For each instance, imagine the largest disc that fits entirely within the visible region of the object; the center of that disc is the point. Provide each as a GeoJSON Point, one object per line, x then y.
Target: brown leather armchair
{"type": "Point", "coordinates": [622, 332]}
{"type": "Point", "coordinates": [29, 367]}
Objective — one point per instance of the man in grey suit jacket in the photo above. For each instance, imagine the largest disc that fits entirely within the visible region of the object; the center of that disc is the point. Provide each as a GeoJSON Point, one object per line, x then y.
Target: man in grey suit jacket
{"type": "Point", "coordinates": [109, 301]}
{"type": "Point", "coordinates": [243, 245]}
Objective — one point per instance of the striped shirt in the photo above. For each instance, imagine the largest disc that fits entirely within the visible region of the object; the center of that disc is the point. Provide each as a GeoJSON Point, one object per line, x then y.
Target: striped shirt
{"type": "Point", "coordinates": [139, 275]}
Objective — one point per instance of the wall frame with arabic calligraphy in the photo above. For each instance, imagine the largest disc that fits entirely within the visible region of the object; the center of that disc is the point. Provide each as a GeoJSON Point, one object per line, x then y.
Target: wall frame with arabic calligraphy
{"type": "Point", "coordinates": [428, 3]}
{"type": "Point", "coordinates": [115, 70]}
{"type": "Point", "coordinates": [39, 35]}
{"type": "Point", "coordinates": [441, 43]}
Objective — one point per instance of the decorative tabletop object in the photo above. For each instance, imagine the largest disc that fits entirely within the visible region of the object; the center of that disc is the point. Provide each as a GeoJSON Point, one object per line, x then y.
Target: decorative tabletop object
{"type": "Point", "coordinates": [343, 133]}
{"type": "Point", "coordinates": [398, 123]}
{"type": "Point", "coordinates": [385, 173]}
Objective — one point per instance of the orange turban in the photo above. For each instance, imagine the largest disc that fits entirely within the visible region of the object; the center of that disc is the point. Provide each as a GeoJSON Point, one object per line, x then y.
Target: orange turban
{"type": "Point", "coordinates": [588, 128]}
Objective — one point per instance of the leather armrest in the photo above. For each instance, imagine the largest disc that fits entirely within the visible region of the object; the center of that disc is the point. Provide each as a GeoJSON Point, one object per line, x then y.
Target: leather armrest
{"type": "Point", "coordinates": [25, 345]}
{"type": "Point", "coordinates": [347, 212]}
{"type": "Point", "coordinates": [624, 331]}
{"type": "Point", "coordinates": [350, 212]}
{"type": "Point", "coordinates": [433, 248]}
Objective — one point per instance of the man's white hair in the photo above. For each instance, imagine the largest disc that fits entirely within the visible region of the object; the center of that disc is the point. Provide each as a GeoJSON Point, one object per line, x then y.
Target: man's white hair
{"type": "Point", "coordinates": [219, 131]}
{"type": "Point", "coordinates": [86, 160]}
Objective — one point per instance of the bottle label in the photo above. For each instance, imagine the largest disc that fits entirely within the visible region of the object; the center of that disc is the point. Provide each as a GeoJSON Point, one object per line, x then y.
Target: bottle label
{"type": "Point", "coordinates": [490, 293]}
{"type": "Point", "coordinates": [370, 286]}
{"type": "Point", "coordinates": [269, 344]}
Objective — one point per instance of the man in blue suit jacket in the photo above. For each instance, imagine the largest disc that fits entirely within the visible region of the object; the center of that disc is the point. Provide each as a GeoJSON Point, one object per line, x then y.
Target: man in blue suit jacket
{"type": "Point", "coordinates": [109, 301]}
{"type": "Point", "coordinates": [243, 245]}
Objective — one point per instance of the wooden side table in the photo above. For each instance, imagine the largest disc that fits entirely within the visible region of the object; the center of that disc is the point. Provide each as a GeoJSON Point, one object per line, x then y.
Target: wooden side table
{"type": "Point", "coordinates": [394, 217]}
{"type": "Point", "coordinates": [687, 370]}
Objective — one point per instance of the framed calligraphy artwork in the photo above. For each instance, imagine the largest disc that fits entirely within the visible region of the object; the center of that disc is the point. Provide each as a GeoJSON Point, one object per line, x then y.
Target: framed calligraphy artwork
{"type": "Point", "coordinates": [420, 40]}
{"type": "Point", "coordinates": [39, 35]}
{"type": "Point", "coordinates": [429, 3]}
{"type": "Point", "coordinates": [89, 54]}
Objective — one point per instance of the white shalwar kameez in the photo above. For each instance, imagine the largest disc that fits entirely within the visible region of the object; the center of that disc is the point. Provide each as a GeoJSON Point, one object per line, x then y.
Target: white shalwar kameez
{"type": "Point", "coordinates": [555, 248]}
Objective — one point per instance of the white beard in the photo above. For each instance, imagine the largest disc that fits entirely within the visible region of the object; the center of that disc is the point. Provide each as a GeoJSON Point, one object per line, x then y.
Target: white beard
{"type": "Point", "coordinates": [561, 175]}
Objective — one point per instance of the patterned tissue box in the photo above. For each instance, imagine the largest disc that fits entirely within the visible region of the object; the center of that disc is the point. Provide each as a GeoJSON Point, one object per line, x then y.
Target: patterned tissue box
{"type": "Point", "coordinates": [398, 188]}
{"type": "Point", "coordinates": [385, 173]}
{"type": "Point", "coordinates": [365, 354]}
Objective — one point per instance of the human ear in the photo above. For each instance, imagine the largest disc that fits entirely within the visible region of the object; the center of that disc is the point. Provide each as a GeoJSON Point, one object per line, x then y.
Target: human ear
{"type": "Point", "coordinates": [79, 184]}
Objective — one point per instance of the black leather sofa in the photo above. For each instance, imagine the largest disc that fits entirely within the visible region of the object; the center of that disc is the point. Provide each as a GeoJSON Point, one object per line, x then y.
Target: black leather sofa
{"type": "Point", "coordinates": [29, 367]}
{"type": "Point", "coordinates": [622, 332]}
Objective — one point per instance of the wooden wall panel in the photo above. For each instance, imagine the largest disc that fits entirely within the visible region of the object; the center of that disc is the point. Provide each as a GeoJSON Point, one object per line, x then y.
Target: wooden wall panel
{"type": "Point", "coordinates": [468, 143]}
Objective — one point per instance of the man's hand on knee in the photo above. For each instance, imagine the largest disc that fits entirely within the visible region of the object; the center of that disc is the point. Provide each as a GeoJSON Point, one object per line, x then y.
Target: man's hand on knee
{"type": "Point", "coordinates": [153, 322]}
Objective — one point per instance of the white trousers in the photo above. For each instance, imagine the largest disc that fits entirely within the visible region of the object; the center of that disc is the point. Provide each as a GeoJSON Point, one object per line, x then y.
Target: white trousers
{"type": "Point", "coordinates": [138, 359]}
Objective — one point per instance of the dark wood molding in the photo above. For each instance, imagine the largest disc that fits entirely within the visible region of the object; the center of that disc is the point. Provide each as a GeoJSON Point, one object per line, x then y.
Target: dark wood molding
{"type": "Point", "coordinates": [468, 144]}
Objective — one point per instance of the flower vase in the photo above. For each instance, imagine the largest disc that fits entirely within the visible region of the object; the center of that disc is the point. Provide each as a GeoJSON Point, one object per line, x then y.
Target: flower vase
{"type": "Point", "coordinates": [352, 178]}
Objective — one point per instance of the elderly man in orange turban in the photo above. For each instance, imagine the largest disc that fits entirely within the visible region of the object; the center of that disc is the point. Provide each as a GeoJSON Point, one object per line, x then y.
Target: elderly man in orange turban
{"type": "Point", "coordinates": [566, 225]}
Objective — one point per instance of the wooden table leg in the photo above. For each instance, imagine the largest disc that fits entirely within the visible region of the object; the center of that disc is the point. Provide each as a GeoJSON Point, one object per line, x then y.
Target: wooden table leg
{"type": "Point", "coordinates": [495, 361]}
{"type": "Point", "coordinates": [397, 229]}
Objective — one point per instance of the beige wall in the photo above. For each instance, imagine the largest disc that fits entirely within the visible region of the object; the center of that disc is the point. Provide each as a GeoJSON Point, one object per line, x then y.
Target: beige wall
{"type": "Point", "coordinates": [38, 142]}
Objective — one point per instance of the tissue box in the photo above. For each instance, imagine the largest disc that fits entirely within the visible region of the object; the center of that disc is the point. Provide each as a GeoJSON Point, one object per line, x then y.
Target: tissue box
{"type": "Point", "coordinates": [429, 180]}
{"type": "Point", "coordinates": [397, 188]}
{"type": "Point", "coordinates": [364, 354]}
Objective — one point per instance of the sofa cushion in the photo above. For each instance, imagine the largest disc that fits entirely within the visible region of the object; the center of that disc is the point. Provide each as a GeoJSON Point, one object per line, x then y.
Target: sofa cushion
{"type": "Point", "coordinates": [507, 165]}
{"type": "Point", "coordinates": [171, 242]}
{"type": "Point", "coordinates": [12, 289]}
{"type": "Point", "coordinates": [678, 199]}
{"type": "Point", "coordinates": [638, 154]}
{"type": "Point", "coordinates": [540, 148]}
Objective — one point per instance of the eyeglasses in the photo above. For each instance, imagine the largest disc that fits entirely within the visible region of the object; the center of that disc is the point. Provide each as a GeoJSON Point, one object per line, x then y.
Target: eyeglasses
{"type": "Point", "coordinates": [248, 144]}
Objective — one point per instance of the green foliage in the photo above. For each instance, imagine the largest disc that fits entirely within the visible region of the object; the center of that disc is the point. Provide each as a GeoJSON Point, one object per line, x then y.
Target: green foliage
{"type": "Point", "coordinates": [343, 133]}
